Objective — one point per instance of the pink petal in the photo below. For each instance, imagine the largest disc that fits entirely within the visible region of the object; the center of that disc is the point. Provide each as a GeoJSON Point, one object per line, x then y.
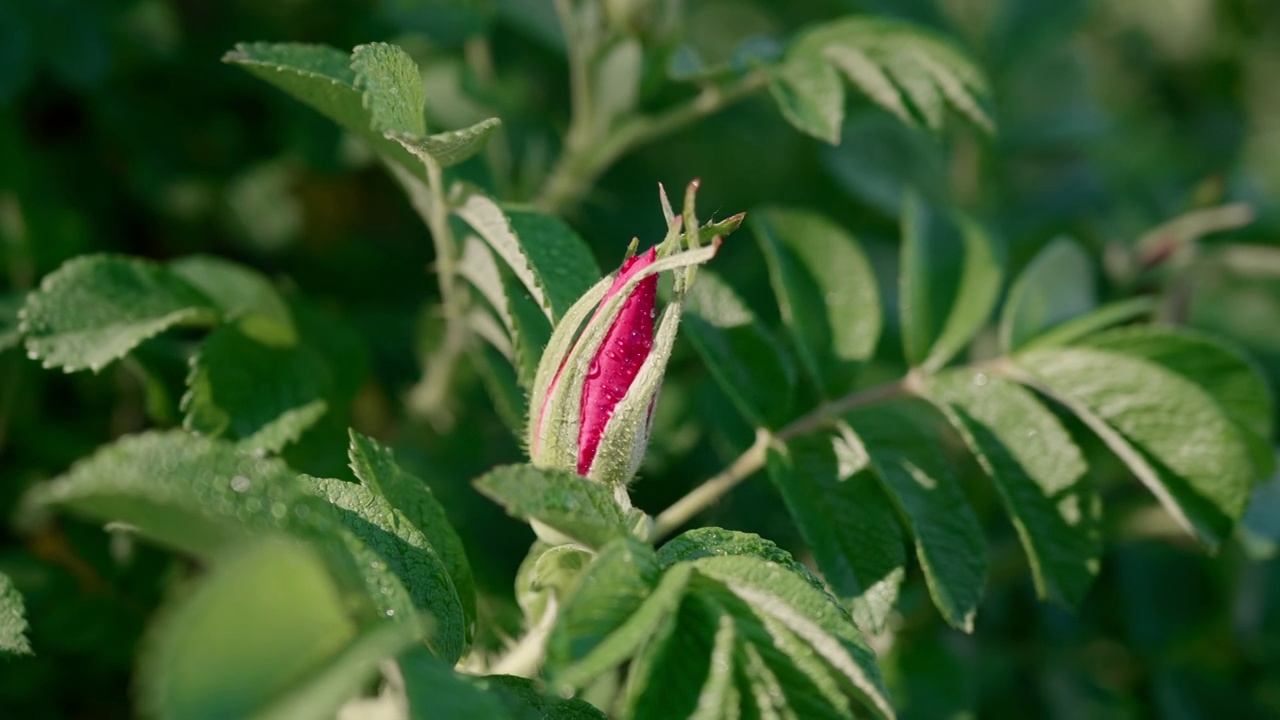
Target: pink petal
{"type": "Point", "coordinates": [623, 351]}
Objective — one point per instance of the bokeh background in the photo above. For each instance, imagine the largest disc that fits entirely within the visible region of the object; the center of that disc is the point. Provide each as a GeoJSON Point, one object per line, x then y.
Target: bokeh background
{"type": "Point", "coordinates": [121, 131]}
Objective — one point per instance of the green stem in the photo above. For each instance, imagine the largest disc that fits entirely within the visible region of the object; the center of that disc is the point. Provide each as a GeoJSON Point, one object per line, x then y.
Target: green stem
{"type": "Point", "coordinates": [430, 395]}
{"type": "Point", "coordinates": [753, 458]}
{"type": "Point", "coordinates": [584, 160]}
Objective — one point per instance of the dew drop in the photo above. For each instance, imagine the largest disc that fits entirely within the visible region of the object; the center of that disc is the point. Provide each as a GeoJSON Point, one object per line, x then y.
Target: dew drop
{"type": "Point", "coordinates": [240, 483]}
{"type": "Point", "coordinates": [980, 379]}
{"type": "Point", "coordinates": [593, 370]}
{"type": "Point", "coordinates": [279, 510]}
{"type": "Point", "coordinates": [391, 612]}
{"type": "Point", "coordinates": [302, 511]}
{"type": "Point", "coordinates": [1031, 433]}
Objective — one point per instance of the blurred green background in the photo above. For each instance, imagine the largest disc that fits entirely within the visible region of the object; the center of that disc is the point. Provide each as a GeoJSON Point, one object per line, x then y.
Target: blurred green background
{"type": "Point", "coordinates": [121, 131]}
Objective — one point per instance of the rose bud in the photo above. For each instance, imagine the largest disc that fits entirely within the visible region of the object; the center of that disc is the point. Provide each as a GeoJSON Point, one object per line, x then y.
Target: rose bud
{"type": "Point", "coordinates": [594, 391]}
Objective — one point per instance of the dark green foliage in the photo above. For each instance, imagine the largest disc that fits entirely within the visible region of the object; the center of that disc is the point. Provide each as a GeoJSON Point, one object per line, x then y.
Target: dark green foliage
{"type": "Point", "coordinates": [1002, 323]}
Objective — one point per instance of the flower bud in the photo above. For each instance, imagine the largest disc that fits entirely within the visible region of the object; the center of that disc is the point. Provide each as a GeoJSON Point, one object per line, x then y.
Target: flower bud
{"type": "Point", "coordinates": [594, 392]}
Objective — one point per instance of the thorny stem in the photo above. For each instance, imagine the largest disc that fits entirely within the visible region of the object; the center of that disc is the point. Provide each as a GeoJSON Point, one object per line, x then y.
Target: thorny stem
{"type": "Point", "coordinates": [584, 159]}
{"type": "Point", "coordinates": [753, 458]}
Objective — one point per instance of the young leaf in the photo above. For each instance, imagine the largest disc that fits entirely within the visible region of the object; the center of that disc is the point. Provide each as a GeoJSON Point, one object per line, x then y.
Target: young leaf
{"type": "Point", "coordinates": [13, 620]}
{"type": "Point", "coordinates": [300, 651]}
{"type": "Point", "coordinates": [546, 575]}
{"type": "Point", "coordinates": [908, 70]}
{"type": "Point", "coordinates": [1170, 432]}
{"type": "Point", "coordinates": [96, 308]}
{"type": "Point", "coordinates": [1056, 286]}
{"type": "Point", "coordinates": [225, 390]}
{"type": "Point", "coordinates": [847, 522]}
{"type": "Point", "coordinates": [601, 599]}
{"type": "Point", "coordinates": [392, 89]}
{"type": "Point", "coordinates": [808, 92]}
{"type": "Point", "coordinates": [451, 147]}
{"type": "Point", "coordinates": [915, 476]}
{"type": "Point", "coordinates": [407, 553]}
{"type": "Point", "coordinates": [322, 77]}
{"type": "Point", "coordinates": [376, 467]}
{"type": "Point", "coordinates": [776, 594]}
{"type": "Point", "coordinates": [564, 501]}
{"type": "Point", "coordinates": [1039, 473]}
{"type": "Point", "coordinates": [943, 306]}
{"type": "Point", "coordinates": [240, 294]}
{"type": "Point", "coordinates": [826, 292]}
{"type": "Point", "coordinates": [741, 355]}
{"type": "Point", "coordinates": [547, 256]}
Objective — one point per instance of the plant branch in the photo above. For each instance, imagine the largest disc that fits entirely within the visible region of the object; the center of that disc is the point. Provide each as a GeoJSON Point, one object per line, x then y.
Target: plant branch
{"type": "Point", "coordinates": [753, 458]}
{"type": "Point", "coordinates": [583, 159]}
{"type": "Point", "coordinates": [429, 396]}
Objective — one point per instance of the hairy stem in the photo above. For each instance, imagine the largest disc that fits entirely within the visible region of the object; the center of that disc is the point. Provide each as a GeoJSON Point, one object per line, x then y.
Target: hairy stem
{"type": "Point", "coordinates": [584, 159]}
{"type": "Point", "coordinates": [753, 458]}
{"type": "Point", "coordinates": [429, 396]}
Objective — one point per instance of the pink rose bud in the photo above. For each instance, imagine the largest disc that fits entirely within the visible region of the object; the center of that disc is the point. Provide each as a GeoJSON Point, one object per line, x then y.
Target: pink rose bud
{"type": "Point", "coordinates": [593, 396]}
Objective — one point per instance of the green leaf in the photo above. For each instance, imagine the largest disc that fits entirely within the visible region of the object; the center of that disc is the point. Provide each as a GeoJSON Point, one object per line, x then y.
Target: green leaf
{"type": "Point", "coordinates": [407, 553]}
{"type": "Point", "coordinates": [912, 72]}
{"type": "Point", "coordinates": [564, 501]}
{"type": "Point", "coordinates": [1101, 318]}
{"type": "Point", "coordinates": [547, 256]}
{"type": "Point", "coordinates": [201, 495]}
{"type": "Point", "coordinates": [715, 542]}
{"type": "Point", "coordinates": [435, 692]}
{"type": "Point", "coordinates": [525, 701]}
{"type": "Point", "coordinates": [1228, 375]}
{"type": "Point", "coordinates": [376, 467]}
{"type": "Point", "coordinates": [264, 395]}
{"type": "Point", "coordinates": [601, 600]}
{"type": "Point", "coordinates": [391, 89]}
{"type": "Point", "coordinates": [96, 308]}
{"type": "Point", "coordinates": [1171, 433]}
{"type": "Point", "coordinates": [1039, 473]}
{"type": "Point", "coordinates": [195, 494]}
{"type": "Point", "coordinates": [826, 292]}
{"type": "Point", "coordinates": [931, 506]}
{"type": "Point", "coordinates": [267, 634]}
{"type": "Point", "coordinates": [741, 355]}
{"type": "Point", "coordinates": [1056, 286]}
{"type": "Point", "coordinates": [240, 294]}
{"type": "Point", "coordinates": [979, 289]}
{"type": "Point", "coordinates": [452, 147]}
{"type": "Point", "coordinates": [530, 330]}
{"type": "Point", "coordinates": [503, 385]}
{"type": "Point", "coordinates": [951, 272]}
{"type": "Point", "coordinates": [808, 92]}
{"type": "Point", "coordinates": [777, 595]}
{"type": "Point", "coordinates": [13, 620]}
{"type": "Point", "coordinates": [547, 574]}
{"type": "Point", "coordinates": [847, 522]}
{"type": "Point", "coordinates": [322, 77]}
{"type": "Point", "coordinates": [668, 678]}
{"type": "Point", "coordinates": [653, 618]}
{"type": "Point", "coordinates": [10, 328]}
